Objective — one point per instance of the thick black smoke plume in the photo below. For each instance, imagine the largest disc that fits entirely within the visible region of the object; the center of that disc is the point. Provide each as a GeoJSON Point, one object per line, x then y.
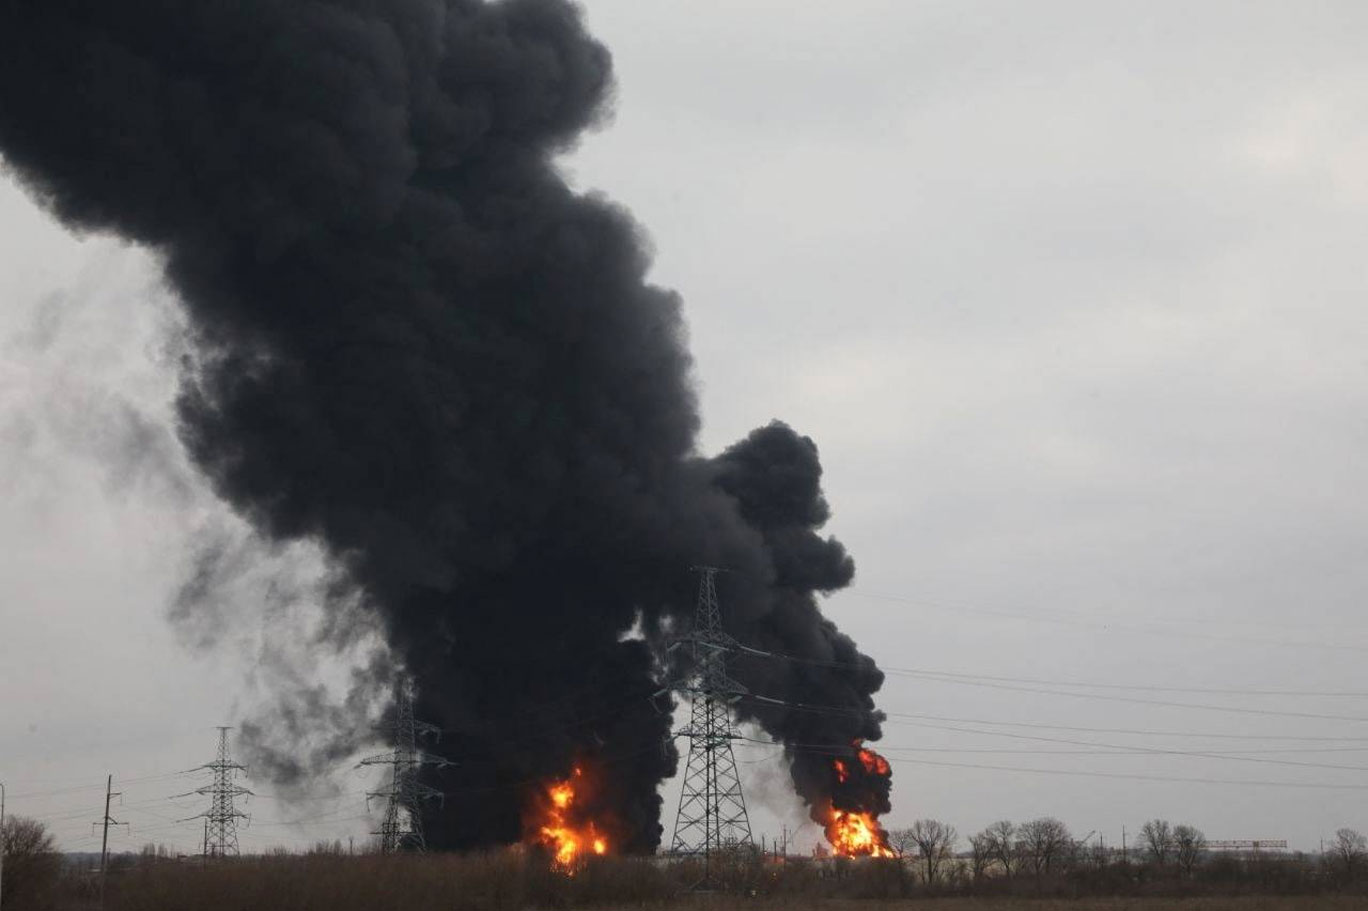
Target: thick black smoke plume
{"type": "Point", "coordinates": [414, 344]}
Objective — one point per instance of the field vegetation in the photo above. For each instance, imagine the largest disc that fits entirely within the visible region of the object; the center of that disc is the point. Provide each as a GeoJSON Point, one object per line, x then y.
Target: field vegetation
{"type": "Point", "coordinates": [1038, 871]}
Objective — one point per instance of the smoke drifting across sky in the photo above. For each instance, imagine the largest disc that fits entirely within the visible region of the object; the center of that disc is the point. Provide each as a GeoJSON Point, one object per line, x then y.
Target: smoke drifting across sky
{"type": "Point", "coordinates": [413, 344]}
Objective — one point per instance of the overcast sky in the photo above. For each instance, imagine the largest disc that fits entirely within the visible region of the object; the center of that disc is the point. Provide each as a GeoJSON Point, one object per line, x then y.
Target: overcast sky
{"type": "Point", "coordinates": [1070, 296]}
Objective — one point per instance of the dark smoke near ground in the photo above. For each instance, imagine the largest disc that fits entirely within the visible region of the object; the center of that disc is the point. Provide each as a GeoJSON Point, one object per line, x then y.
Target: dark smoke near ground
{"type": "Point", "coordinates": [413, 344]}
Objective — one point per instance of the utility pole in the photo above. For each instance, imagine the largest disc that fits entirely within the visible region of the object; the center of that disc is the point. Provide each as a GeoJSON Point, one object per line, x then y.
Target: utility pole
{"type": "Point", "coordinates": [220, 820]}
{"type": "Point", "coordinates": [106, 822]}
{"type": "Point", "coordinates": [2, 844]}
{"type": "Point", "coordinates": [402, 826]}
{"type": "Point", "coordinates": [712, 809]}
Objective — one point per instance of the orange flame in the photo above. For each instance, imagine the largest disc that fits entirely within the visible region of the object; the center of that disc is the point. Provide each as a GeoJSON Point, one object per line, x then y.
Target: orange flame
{"type": "Point", "coordinates": [842, 773]}
{"type": "Point", "coordinates": [857, 835]}
{"type": "Point", "coordinates": [873, 763]}
{"type": "Point", "coordinates": [568, 841]}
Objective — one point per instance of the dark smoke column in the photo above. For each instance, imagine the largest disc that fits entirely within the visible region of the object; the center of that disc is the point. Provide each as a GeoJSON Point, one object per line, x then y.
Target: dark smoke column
{"type": "Point", "coordinates": [414, 344]}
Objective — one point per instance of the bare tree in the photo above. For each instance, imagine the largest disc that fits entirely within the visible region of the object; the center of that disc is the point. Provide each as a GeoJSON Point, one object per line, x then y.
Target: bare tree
{"type": "Point", "coordinates": [1001, 836]}
{"type": "Point", "coordinates": [980, 854]}
{"type": "Point", "coordinates": [1189, 843]}
{"type": "Point", "coordinates": [934, 840]}
{"type": "Point", "coordinates": [1158, 838]}
{"type": "Point", "coordinates": [1044, 843]}
{"type": "Point", "coordinates": [31, 863]}
{"type": "Point", "coordinates": [901, 840]}
{"type": "Point", "coordinates": [1348, 853]}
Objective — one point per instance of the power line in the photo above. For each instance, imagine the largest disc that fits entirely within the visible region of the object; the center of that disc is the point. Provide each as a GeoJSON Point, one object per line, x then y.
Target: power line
{"type": "Point", "coordinates": [1148, 750]}
{"type": "Point", "coordinates": [536, 730]}
{"type": "Point", "coordinates": [124, 782]}
{"type": "Point", "coordinates": [1139, 732]}
{"type": "Point", "coordinates": [966, 680]}
{"type": "Point", "coordinates": [314, 799]}
{"type": "Point", "coordinates": [1212, 691]}
{"type": "Point", "coordinates": [1104, 626]}
{"type": "Point", "coordinates": [1128, 751]}
{"type": "Point", "coordinates": [1160, 778]}
{"type": "Point", "coordinates": [600, 758]}
{"type": "Point", "coordinates": [1196, 706]}
{"type": "Point", "coordinates": [1155, 751]}
{"type": "Point", "coordinates": [75, 814]}
{"type": "Point", "coordinates": [832, 749]}
{"type": "Point", "coordinates": [355, 805]}
{"type": "Point", "coordinates": [1119, 752]}
{"type": "Point", "coordinates": [1081, 743]}
{"type": "Point", "coordinates": [1215, 691]}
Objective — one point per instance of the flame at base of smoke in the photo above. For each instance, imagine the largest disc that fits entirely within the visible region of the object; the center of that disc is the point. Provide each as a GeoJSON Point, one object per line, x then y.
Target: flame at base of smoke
{"type": "Point", "coordinates": [860, 784]}
{"type": "Point", "coordinates": [557, 822]}
{"type": "Point", "coordinates": [856, 835]}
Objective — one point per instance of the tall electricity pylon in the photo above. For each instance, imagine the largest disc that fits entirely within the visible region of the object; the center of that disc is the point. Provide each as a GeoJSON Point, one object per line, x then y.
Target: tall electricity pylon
{"type": "Point", "coordinates": [712, 810]}
{"type": "Point", "coordinates": [220, 820]}
{"type": "Point", "coordinates": [402, 826]}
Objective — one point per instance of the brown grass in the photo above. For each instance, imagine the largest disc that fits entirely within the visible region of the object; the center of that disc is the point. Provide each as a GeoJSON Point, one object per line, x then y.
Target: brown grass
{"type": "Point", "coordinates": [502, 881]}
{"type": "Point", "coordinates": [512, 881]}
{"type": "Point", "coordinates": [1238, 903]}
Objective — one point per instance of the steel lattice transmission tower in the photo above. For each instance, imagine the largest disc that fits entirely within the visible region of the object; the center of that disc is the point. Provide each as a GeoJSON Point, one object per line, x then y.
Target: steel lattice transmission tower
{"type": "Point", "coordinates": [401, 829]}
{"type": "Point", "coordinates": [712, 810]}
{"type": "Point", "coordinates": [220, 820]}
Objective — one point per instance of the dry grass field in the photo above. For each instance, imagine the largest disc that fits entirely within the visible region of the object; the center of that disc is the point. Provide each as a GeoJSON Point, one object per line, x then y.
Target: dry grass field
{"type": "Point", "coordinates": [1238, 903]}
{"type": "Point", "coordinates": [510, 881]}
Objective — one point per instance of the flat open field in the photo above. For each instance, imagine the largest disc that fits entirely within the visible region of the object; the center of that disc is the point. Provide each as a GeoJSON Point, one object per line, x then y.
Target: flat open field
{"type": "Point", "coordinates": [510, 881]}
{"type": "Point", "coordinates": [1242, 903]}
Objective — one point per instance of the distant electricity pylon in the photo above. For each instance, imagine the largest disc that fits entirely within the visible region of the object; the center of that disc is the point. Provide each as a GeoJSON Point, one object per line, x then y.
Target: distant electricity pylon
{"type": "Point", "coordinates": [220, 820]}
{"type": "Point", "coordinates": [712, 810]}
{"type": "Point", "coordinates": [402, 826]}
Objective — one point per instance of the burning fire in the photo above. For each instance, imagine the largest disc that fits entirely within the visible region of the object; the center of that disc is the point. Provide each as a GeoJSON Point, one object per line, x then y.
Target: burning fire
{"type": "Point", "coordinates": [857, 833]}
{"type": "Point", "coordinates": [569, 840]}
{"type": "Point", "coordinates": [873, 763]}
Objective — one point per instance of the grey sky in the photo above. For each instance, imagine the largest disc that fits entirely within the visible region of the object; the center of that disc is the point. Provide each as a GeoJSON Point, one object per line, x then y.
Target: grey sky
{"type": "Point", "coordinates": [1069, 295]}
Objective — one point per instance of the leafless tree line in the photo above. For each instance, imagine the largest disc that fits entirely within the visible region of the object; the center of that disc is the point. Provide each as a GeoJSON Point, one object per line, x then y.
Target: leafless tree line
{"type": "Point", "coordinates": [1043, 846]}
{"type": "Point", "coordinates": [1040, 846]}
{"type": "Point", "coordinates": [1004, 857]}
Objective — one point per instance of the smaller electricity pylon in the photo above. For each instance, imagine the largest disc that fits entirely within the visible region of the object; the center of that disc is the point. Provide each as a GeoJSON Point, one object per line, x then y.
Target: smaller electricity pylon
{"type": "Point", "coordinates": [712, 810]}
{"type": "Point", "coordinates": [220, 820]}
{"type": "Point", "coordinates": [401, 829]}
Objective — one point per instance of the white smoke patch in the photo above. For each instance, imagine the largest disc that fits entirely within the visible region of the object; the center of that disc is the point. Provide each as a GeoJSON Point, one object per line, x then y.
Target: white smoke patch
{"type": "Point", "coordinates": [88, 377]}
{"type": "Point", "coordinates": [768, 785]}
{"type": "Point", "coordinates": [320, 671]}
